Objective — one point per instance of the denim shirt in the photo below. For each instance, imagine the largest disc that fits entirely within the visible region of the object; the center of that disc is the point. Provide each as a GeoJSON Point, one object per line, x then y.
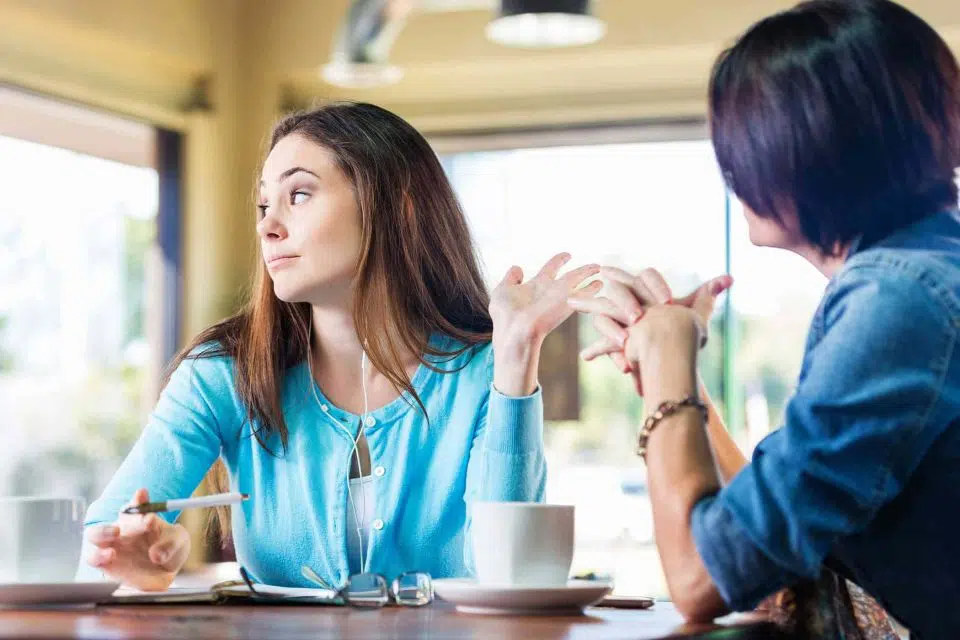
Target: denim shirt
{"type": "Point", "coordinates": [864, 475]}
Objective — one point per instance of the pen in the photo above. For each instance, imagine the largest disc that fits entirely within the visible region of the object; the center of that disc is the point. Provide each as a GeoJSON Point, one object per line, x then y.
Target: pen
{"type": "Point", "coordinates": [218, 500]}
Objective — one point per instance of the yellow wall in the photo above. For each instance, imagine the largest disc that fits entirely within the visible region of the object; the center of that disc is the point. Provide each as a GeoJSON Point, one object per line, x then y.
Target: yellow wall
{"type": "Point", "coordinates": [145, 59]}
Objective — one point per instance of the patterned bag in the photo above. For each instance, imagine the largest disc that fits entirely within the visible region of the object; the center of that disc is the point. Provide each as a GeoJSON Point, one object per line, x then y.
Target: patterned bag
{"type": "Point", "coordinates": [831, 608]}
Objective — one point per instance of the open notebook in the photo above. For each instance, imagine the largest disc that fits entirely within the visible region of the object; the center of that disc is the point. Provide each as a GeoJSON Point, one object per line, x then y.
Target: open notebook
{"type": "Point", "coordinates": [230, 592]}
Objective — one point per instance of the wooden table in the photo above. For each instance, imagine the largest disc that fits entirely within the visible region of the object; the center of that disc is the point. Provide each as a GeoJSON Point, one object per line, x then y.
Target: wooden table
{"type": "Point", "coordinates": [439, 620]}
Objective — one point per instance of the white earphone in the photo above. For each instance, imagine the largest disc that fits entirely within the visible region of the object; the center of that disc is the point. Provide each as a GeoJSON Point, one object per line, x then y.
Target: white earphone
{"type": "Point", "coordinates": [358, 517]}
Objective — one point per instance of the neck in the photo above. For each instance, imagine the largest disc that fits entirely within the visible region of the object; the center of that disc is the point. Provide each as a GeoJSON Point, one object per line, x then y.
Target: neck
{"type": "Point", "coordinates": [828, 265]}
{"type": "Point", "coordinates": [335, 345]}
{"type": "Point", "coordinates": [336, 348]}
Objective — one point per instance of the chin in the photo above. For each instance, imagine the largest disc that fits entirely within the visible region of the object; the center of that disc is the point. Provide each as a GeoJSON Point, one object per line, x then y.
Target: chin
{"type": "Point", "coordinates": [314, 293]}
{"type": "Point", "coordinates": [765, 232]}
{"type": "Point", "coordinates": [287, 294]}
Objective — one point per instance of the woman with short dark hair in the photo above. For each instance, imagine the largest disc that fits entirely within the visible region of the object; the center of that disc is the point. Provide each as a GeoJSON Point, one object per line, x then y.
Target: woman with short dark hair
{"type": "Point", "coordinates": [837, 124]}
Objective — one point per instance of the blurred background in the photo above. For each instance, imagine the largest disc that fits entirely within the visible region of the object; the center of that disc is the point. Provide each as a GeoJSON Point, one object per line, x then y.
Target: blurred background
{"type": "Point", "coordinates": [130, 138]}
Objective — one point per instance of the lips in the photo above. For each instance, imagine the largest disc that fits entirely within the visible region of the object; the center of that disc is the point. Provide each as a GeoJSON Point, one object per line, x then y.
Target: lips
{"type": "Point", "coordinates": [279, 261]}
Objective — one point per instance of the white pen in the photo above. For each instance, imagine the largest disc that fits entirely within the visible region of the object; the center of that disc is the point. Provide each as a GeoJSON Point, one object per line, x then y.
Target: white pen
{"type": "Point", "coordinates": [218, 500]}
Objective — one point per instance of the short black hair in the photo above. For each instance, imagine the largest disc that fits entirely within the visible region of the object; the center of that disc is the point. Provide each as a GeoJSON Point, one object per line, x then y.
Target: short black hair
{"type": "Point", "coordinates": [846, 112]}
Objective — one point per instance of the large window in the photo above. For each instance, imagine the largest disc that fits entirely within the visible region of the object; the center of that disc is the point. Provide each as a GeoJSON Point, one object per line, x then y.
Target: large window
{"type": "Point", "coordinates": [82, 296]}
{"type": "Point", "coordinates": [656, 203]}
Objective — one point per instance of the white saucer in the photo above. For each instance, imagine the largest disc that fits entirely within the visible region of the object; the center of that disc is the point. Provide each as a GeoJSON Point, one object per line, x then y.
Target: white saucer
{"type": "Point", "coordinates": [470, 597]}
{"type": "Point", "coordinates": [26, 594]}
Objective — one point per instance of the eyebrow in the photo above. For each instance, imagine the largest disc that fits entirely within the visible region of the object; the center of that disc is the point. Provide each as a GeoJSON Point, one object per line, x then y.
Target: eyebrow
{"type": "Point", "coordinates": [289, 172]}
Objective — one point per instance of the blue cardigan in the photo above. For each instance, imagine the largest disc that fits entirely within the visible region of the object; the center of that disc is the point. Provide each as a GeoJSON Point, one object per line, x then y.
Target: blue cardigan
{"type": "Point", "coordinates": [477, 445]}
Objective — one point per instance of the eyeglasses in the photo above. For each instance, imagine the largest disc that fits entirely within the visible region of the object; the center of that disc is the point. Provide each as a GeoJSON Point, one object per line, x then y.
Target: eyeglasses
{"type": "Point", "coordinates": [366, 590]}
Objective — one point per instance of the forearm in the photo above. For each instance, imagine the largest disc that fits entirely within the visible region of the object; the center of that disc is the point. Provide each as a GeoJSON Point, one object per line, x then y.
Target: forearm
{"type": "Point", "coordinates": [681, 470]}
{"type": "Point", "coordinates": [729, 458]}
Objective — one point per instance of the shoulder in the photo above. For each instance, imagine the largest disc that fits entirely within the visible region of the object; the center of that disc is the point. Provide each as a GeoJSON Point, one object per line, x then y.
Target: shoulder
{"type": "Point", "coordinates": [895, 291]}
{"type": "Point", "coordinates": [901, 277]}
{"type": "Point", "coordinates": [208, 370]}
{"type": "Point", "coordinates": [466, 363]}
{"type": "Point", "coordinates": [883, 318]}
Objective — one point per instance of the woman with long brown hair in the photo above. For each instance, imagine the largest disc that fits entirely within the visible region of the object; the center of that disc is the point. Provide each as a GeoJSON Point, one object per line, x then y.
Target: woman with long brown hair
{"type": "Point", "coordinates": [369, 390]}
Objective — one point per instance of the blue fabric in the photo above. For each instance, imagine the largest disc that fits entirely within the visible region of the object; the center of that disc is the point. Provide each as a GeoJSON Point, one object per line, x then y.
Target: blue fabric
{"type": "Point", "coordinates": [864, 475]}
{"type": "Point", "coordinates": [478, 445]}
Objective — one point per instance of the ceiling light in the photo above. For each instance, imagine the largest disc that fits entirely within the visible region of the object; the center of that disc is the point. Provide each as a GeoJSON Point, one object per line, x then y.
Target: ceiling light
{"type": "Point", "coordinates": [545, 23]}
{"type": "Point", "coordinates": [361, 75]}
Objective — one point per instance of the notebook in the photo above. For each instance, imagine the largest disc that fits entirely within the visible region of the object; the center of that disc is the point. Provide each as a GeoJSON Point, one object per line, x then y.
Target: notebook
{"type": "Point", "coordinates": [229, 592]}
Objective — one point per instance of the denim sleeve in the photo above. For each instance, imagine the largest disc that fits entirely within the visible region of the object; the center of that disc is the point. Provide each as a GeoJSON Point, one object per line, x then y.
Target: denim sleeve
{"type": "Point", "coordinates": [866, 410]}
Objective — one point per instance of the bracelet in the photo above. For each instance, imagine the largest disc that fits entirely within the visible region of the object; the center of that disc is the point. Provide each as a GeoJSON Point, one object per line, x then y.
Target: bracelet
{"type": "Point", "coordinates": [665, 410]}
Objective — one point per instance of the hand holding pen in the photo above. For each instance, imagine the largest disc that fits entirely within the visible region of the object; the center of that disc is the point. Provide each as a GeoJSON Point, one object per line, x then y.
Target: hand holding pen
{"type": "Point", "coordinates": [141, 549]}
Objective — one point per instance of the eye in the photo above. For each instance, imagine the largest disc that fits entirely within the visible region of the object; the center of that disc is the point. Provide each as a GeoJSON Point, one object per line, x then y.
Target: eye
{"type": "Point", "coordinates": [298, 197]}
{"type": "Point", "coordinates": [261, 211]}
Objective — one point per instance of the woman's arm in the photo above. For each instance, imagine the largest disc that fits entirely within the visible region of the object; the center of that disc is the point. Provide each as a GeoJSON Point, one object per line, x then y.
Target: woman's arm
{"type": "Point", "coordinates": [181, 440]}
{"type": "Point", "coordinates": [729, 458]}
{"type": "Point", "coordinates": [506, 460]}
{"type": "Point", "coordinates": [681, 469]}
{"type": "Point", "coordinates": [627, 296]}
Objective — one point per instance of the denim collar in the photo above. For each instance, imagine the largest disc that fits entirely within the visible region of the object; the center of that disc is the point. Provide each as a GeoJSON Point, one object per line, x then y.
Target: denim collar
{"type": "Point", "coordinates": [935, 223]}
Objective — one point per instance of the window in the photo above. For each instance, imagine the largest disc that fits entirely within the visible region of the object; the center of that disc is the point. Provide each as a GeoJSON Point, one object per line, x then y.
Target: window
{"type": "Point", "coordinates": [656, 202]}
{"type": "Point", "coordinates": [82, 295]}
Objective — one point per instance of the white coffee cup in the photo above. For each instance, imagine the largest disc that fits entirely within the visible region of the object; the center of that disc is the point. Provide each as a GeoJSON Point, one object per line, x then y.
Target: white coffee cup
{"type": "Point", "coordinates": [40, 538]}
{"type": "Point", "coordinates": [522, 543]}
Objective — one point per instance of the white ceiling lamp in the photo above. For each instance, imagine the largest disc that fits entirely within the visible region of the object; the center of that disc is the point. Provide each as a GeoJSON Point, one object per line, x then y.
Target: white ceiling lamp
{"type": "Point", "coordinates": [362, 46]}
{"type": "Point", "coordinates": [545, 23]}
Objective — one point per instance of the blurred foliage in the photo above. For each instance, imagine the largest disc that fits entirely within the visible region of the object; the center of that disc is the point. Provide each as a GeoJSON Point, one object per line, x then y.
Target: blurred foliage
{"type": "Point", "coordinates": [107, 407]}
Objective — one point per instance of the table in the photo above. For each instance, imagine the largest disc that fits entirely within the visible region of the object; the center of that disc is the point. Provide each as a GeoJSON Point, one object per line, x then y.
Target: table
{"type": "Point", "coordinates": [439, 620]}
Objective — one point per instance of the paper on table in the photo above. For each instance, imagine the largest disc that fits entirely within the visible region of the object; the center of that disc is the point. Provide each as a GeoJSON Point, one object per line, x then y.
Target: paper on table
{"type": "Point", "coordinates": [225, 592]}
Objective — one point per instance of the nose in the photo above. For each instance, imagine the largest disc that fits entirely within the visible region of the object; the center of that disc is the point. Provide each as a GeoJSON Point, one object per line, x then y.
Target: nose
{"type": "Point", "coordinates": [270, 228]}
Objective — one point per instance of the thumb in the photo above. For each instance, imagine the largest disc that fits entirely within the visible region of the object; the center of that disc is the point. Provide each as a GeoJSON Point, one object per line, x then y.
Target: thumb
{"type": "Point", "coordinates": [514, 276]}
{"type": "Point", "coordinates": [703, 302]}
{"type": "Point", "coordinates": [139, 497]}
{"type": "Point", "coordinates": [704, 299]}
{"type": "Point", "coordinates": [719, 284]}
{"type": "Point", "coordinates": [164, 552]}
{"type": "Point", "coordinates": [712, 288]}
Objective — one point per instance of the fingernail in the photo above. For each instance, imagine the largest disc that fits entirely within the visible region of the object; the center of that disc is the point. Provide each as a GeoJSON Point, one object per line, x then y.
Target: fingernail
{"type": "Point", "coordinates": [635, 317]}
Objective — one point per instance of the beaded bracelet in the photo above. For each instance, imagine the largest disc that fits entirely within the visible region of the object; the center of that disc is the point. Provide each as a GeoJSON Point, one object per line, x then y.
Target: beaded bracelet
{"type": "Point", "coordinates": [665, 410]}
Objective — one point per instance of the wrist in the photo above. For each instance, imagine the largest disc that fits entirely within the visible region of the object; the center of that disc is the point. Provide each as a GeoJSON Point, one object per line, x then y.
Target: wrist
{"type": "Point", "coordinates": [515, 365]}
{"type": "Point", "coordinates": [669, 372]}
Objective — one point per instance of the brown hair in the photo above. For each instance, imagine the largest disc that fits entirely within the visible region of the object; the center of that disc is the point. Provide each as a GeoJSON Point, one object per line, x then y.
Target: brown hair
{"type": "Point", "coordinates": [417, 274]}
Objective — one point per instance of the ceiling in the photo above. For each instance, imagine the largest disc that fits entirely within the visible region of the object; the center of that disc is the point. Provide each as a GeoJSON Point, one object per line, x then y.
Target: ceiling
{"type": "Point", "coordinates": [654, 62]}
